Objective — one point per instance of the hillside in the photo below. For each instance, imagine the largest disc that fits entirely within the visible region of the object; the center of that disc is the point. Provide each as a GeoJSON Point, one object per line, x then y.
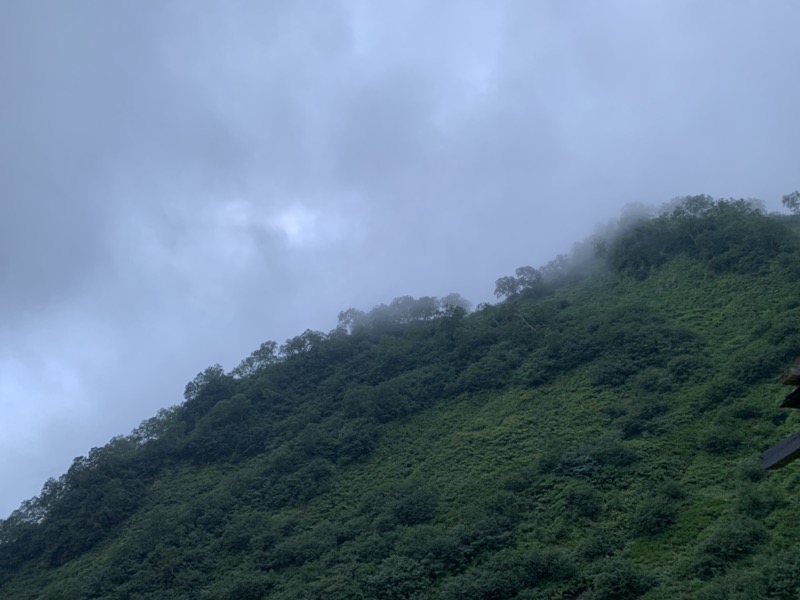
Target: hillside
{"type": "Point", "coordinates": [593, 435]}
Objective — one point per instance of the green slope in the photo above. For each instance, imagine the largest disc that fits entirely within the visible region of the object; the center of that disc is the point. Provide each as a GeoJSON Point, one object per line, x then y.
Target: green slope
{"type": "Point", "coordinates": [596, 435]}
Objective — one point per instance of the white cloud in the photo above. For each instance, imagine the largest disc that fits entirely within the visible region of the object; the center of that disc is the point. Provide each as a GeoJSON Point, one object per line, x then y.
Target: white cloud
{"type": "Point", "coordinates": [305, 227]}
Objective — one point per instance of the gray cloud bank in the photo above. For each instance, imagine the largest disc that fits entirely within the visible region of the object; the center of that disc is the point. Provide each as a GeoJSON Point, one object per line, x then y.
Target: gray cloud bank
{"type": "Point", "coordinates": [182, 181]}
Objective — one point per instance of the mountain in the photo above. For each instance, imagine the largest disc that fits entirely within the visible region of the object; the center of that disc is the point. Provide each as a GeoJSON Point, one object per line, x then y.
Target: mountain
{"type": "Point", "coordinates": [596, 435]}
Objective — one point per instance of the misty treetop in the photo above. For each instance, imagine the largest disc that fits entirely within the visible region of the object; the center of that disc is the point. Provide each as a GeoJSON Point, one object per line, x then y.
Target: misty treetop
{"type": "Point", "coordinates": [403, 310]}
{"type": "Point", "coordinates": [792, 202]}
{"type": "Point", "coordinates": [724, 235]}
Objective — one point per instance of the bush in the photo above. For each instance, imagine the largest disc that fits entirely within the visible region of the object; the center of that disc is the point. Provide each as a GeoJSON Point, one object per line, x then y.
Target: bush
{"type": "Point", "coordinates": [654, 516]}
{"type": "Point", "coordinates": [720, 440]}
{"type": "Point", "coordinates": [750, 470]}
{"type": "Point", "coordinates": [240, 586]}
{"type": "Point", "coordinates": [482, 585]}
{"type": "Point", "coordinates": [547, 564]}
{"type": "Point", "coordinates": [602, 544]}
{"type": "Point", "coordinates": [407, 502]}
{"type": "Point", "coordinates": [730, 542]}
{"type": "Point", "coordinates": [522, 480]}
{"type": "Point", "coordinates": [782, 576]}
{"type": "Point", "coordinates": [619, 579]}
{"type": "Point", "coordinates": [304, 546]}
{"type": "Point", "coordinates": [757, 500]}
{"type": "Point", "coordinates": [736, 586]}
{"type": "Point", "coordinates": [721, 391]}
{"type": "Point", "coordinates": [398, 578]}
{"type": "Point", "coordinates": [588, 460]}
{"type": "Point", "coordinates": [672, 490]}
{"type": "Point", "coordinates": [506, 573]}
{"type": "Point", "coordinates": [583, 500]}
{"type": "Point", "coordinates": [643, 419]}
{"type": "Point", "coordinates": [489, 534]}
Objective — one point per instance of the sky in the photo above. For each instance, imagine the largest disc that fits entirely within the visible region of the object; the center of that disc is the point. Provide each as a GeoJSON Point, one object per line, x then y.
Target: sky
{"type": "Point", "coordinates": [181, 181]}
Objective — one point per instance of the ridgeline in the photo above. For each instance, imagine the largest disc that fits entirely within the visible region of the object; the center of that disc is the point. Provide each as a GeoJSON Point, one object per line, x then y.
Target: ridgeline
{"type": "Point", "coordinates": [595, 435]}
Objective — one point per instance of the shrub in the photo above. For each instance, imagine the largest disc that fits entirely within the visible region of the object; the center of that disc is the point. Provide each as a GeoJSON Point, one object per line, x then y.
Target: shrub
{"type": "Point", "coordinates": [720, 440]}
{"type": "Point", "coordinates": [398, 578]}
{"type": "Point", "coordinates": [619, 579]}
{"type": "Point", "coordinates": [481, 585]}
{"type": "Point", "coordinates": [721, 391]}
{"type": "Point", "coordinates": [407, 502]}
{"type": "Point", "coordinates": [757, 500]}
{"type": "Point", "coordinates": [602, 544]}
{"type": "Point", "coordinates": [730, 542]}
{"type": "Point", "coordinates": [672, 490]}
{"type": "Point", "coordinates": [643, 419]}
{"type": "Point", "coordinates": [583, 500]}
{"type": "Point", "coordinates": [654, 516]}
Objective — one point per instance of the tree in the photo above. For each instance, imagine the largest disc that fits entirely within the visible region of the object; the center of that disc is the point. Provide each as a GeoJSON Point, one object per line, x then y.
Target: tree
{"type": "Point", "coordinates": [402, 308]}
{"type": "Point", "coordinates": [300, 344]}
{"type": "Point", "coordinates": [203, 380]}
{"type": "Point", "coordinates": [156, 427]}
{"type": "Point", "coordinates": [424, 308]}
{"type": "Point", "coordinates": [456, 300]}
{"type": "Point", "coordinates": [203, 392]}
{"type": "Point", "coordinates": [693, 206]}
{"type": "Point", "coordinates": [792, 202]}
{"type": "Point", "coordinates": [557, 266]}
{"type": "Point", "coordinates": [529, 279]}
{"type": "Point", "coordinates": [349, 319]}
{"type": "Point", "coordinates": [265, 355]}
{"type": "Point", "coordinates": [506, 287]}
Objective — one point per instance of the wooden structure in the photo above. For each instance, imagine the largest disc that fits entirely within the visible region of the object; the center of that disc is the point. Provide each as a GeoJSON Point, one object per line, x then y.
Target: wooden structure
{"type": "Point", "coordinates": [788, 449]}
{"type": "Point", "coordinates": [792, 400]}
{"type": "Point", "coordinates": [782, 453]}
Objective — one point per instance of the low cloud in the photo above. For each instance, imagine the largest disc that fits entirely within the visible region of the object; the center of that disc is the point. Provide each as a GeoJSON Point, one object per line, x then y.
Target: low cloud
{"type": "Point", "coordinates": [182, 181]}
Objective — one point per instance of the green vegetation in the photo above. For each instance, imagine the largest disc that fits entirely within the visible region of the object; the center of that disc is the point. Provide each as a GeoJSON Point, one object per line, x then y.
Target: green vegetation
{"type": "Point", "coordinates": [595, 435]}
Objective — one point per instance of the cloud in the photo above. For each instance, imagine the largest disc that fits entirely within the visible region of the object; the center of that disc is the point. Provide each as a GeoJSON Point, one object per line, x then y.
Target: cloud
{"type": "Point", "coordinates": [182, 181]}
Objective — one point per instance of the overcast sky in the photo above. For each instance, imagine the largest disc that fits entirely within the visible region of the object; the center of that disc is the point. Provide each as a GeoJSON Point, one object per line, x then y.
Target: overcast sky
{"type": "Point", "coordinates": [181, 181]}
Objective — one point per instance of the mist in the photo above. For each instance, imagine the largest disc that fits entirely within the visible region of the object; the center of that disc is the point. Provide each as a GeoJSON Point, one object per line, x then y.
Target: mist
{"type": "Point", "coordinates": [182, 181]}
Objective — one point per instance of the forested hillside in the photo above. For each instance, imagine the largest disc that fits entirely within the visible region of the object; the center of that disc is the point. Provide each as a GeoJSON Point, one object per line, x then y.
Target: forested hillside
{"type": "Point", "coordinates": [595, 434]}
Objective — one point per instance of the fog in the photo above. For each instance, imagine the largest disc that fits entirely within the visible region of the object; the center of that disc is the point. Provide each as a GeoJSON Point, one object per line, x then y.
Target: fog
{"type": "Point", "coordinates": [182, 181]}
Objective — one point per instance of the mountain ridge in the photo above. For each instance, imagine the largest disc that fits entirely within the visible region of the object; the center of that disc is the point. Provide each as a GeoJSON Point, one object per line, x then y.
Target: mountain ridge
{"type": "Point", "coordinates": [590, 436]}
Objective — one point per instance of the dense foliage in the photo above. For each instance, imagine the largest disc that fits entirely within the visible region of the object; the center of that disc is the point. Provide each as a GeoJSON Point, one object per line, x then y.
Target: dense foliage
{"type": "Point", "coordinates": [595, 435]}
